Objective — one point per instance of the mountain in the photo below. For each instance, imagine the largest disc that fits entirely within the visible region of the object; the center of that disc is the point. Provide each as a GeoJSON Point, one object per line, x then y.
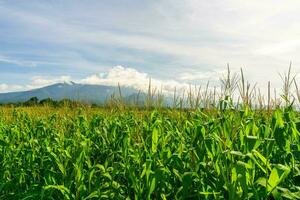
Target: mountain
{"type": "Point", "coordinates": [70, 90]}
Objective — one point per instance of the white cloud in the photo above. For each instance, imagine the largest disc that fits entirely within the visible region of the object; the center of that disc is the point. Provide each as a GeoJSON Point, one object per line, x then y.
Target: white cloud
{"type": "Point", "coordinates": [126, 77]}
{"type": "Point", "coordinates": [9, 88]}
{"type": "Point", "coordinates": [40, 81]}
{"type": "Point", "coordinates": [35, 82]}
{"type": "Point", "coordinates": [129, 77]}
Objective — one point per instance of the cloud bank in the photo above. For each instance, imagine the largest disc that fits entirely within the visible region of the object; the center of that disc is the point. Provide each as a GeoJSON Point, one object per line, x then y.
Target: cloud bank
{"type": "Point", "coordinates": [129, 77]}
{"type": "Point", "coordinates": [119, 75]}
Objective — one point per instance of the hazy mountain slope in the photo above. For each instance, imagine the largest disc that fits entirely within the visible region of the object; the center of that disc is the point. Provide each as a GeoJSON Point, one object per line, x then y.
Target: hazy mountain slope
{"type": "Point", "coordinates": [73, 91]}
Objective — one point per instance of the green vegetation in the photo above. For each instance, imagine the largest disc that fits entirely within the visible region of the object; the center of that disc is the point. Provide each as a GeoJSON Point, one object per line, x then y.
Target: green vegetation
{"type": "Point", "coordinates": [34, 101]}
{"type": "Point", "coordinates": [221, 151]}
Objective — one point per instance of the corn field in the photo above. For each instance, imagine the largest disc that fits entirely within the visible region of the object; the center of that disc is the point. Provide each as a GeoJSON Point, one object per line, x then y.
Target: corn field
{"type": "Point", "coordinates": [160, 154]}
{"type": "Point", "coordinates": [221, 151]}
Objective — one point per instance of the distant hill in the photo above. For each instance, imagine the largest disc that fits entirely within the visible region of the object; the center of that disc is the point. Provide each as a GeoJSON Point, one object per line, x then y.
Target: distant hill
{"type": "Point", "coordinates": [72, 91]}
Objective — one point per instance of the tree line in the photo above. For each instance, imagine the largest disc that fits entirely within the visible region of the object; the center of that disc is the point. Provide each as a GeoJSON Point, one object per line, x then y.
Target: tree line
{"type": "Point", "coordinates": [34, 101]}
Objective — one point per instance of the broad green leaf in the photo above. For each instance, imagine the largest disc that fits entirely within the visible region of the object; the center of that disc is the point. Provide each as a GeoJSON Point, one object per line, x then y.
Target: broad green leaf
{"type": "Point", "coordinates": [278, 174]}
{"type": "Point", "coordinates": [280, 137]}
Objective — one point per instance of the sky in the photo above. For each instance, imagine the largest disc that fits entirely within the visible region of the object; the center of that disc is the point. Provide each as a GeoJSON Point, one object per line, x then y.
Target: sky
{"type": "Point", "coordinates": [173, 42]}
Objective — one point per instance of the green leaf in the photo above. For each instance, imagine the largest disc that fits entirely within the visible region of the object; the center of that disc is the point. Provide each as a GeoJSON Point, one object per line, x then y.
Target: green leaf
{"type": "Point", "coordinates": [163, 197]}
{"type": "Point", "coordinates": [280, 138]}
{"type": "Point", "coordinates": [288, 194]}
{"type": "Point", "coordinates": [152, 186]}
{"type": "Point", "coordinates": [94, 194]}
{"type": "Point", "coordinates": [65, 191]}
{"type": "Point", "coordinates": [154, 140]}
{"type": "Point", "coordinates": [252, 142]}
{"type": "Point", "coordinates": [273, 179]}
{"type": "Point", "coordinates": [278, 174]}
{"type": "Point", "coordinates": [237, 153]}
{"type": "Point", "coordinates": [262, 159]}
{"type": "Point", "coordinates": [261, 181]}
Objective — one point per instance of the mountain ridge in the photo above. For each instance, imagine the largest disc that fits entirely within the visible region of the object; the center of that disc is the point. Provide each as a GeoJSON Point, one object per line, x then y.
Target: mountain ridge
{"type": "Point", "coordinates": [69, 90]}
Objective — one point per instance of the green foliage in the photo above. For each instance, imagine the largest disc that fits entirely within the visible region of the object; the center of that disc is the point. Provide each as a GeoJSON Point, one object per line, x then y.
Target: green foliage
{"type": "Point", "coordinates": [220, 153]}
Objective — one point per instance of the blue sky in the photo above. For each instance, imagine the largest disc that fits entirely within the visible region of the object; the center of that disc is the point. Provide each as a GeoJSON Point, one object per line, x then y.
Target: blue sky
{"type": "Point", "coordinates": [176, 42]}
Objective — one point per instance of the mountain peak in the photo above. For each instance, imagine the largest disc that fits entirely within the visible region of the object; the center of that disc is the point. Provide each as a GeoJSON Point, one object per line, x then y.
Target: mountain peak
{"type": "Point", "coordinates": [69, 83]}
